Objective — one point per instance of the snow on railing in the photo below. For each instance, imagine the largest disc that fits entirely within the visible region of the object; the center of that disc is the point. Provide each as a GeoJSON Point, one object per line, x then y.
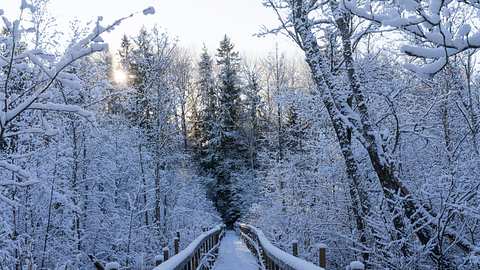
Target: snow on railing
{"type": "Point", "coordinates": [271, 257]}
{"type": "Point", "coordinates": [197, 254]}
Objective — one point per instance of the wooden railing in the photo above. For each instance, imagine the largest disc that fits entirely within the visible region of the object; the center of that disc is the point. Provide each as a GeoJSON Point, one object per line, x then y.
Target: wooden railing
{"type": "Point", "coordinates": [198, 255]}
{"type": "Point", "coordinates": [271, 257]}
{"type": "Point", "coordinates": [203, 251]}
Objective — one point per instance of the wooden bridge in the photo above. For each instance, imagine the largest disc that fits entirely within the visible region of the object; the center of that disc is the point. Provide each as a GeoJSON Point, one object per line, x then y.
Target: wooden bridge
{"type": "Point", "coordinates": [245, 248]}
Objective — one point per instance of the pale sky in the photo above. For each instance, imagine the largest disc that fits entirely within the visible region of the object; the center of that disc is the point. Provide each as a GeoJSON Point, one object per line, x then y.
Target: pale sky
{"type": "Point", "coordinates": [193, 22]}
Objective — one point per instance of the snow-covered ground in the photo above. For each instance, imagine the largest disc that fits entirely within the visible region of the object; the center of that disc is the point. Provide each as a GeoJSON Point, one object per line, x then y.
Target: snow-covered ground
{"type": "Point", "coordinates": [234, 255]}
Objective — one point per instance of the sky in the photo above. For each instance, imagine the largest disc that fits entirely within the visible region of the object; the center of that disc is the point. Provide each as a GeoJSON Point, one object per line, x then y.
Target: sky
{"type": "Point", "coordinates": [193, 22]}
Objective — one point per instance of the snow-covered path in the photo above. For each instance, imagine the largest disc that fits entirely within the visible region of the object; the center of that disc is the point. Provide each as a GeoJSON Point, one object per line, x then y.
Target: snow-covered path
{"type": "Point", "coordinates": [234, 255]}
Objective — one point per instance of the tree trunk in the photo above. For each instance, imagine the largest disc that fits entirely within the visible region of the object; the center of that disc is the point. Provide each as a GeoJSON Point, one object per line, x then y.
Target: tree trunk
{"type": "Point", "coordinates": [144, 183]}
{"type": "Point", "coordinates": [385, 169]}
{"type": "Point", "coordinates": [75, 187]}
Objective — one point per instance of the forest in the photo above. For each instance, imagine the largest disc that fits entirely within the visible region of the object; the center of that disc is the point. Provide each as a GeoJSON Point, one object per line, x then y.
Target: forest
{"type": "Point", "coordinates": [367, 142]}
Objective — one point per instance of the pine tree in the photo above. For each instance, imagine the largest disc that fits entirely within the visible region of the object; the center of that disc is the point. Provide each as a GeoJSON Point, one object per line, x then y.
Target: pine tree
{"type": "Point", "coordinates": [207, 111]}
{"type": "Point", "coordinates": [229, 150]}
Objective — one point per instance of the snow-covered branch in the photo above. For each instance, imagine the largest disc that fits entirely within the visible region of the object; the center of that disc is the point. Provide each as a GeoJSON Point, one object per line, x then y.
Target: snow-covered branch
{"type": "Point", "coordinates": [432, 21]}
{"type": "Point", "coordinates": [63, 108]}
{"type": "Point", "coordinates": [29, 75]}
{"type": "Point", "coordinates": [19, 172]}
{"type": "Point", "coordinates": [53, 71]}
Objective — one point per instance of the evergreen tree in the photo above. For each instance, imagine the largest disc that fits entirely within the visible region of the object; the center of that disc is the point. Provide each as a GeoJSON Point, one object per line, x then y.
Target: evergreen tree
{"type": "Point", "coordinates": [229, 149]}
{"type": "Point", "coordinates": [207, 111]}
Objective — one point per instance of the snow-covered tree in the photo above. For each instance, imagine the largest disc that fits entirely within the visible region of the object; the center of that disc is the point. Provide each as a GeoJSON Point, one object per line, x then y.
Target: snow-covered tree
{"type": "Point", "coordinates": [228, 150]}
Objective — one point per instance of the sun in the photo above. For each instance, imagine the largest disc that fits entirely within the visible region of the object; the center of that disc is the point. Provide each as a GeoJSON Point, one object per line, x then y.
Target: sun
{"type": "Point", "coordinates": [120, 77]}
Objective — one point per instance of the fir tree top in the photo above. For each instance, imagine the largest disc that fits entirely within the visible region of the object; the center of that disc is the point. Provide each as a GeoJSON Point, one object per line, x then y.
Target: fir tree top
{"type": "Point", "coordinates": [226, 56]}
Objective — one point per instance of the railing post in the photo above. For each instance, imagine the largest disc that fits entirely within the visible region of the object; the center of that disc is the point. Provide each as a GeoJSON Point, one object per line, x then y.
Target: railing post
{"type": "Point", "coordinates": [356, 265]}
{"type": "Point", "coordinates": [165, 254]}
{"type": "Point", "coordinates": [195, 260]}
{"type": "Point", "coordinates": [176, 245]}
{"type": "Point", "coordinates": [322, 255]}
{"type": "Point", "coordinates": [158, 260]}
{"type": "Point", "coordinates": [295, 248]}
{"type": "Point", "coordinates": [264, 257]}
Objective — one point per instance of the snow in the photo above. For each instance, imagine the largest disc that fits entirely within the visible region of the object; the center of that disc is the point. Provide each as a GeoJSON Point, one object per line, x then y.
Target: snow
{"type": "Point", "coordinates": [434, 27]}
{"type": "Point", "coordinates": [174, 261]}
{"type": "Point", "coordinates": [285, 257]}
{"type": "Point", "coordinates": [48, 106]}
{"type": "Point", "coordinates": [112, 266]}
{"type": "Point", "coordinates": [322, 245]}
{"type": "Point", "coordinates": [9, 201]}
{"type": "Point", "coordinates": [435, 6]}
{"type": "Point", "coordinates": [119, 154]}
{"type": "Point", "coordinates": [19, 172]}
{"type": "Point", "coordinates": [26, 5]}
{"type": "Point", "coordinates": [356, 265]}
{"type": "Point", "coordinates": [158, 258]}
{"type": "Point", "coordinates": [166, 250]}
{"type": "Point", "coordinates": [408, 4]}
{"type": "Point", "coordinates": [428, 69]}
{"type": "Point", "coordinates": [234, 254]}
{"type": "Point", "coordinates": [423, 52]}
